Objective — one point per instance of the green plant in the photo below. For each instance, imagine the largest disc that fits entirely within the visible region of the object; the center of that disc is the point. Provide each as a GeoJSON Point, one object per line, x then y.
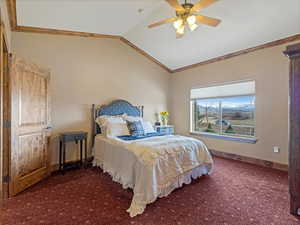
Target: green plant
{"type": "Point", "coordinates": [209, 128]}
{"type": "Point", "coordinates": [229, 130]}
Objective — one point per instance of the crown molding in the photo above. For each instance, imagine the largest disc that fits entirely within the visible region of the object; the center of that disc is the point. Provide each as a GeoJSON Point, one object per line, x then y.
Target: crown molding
{"type": "Point", "coordinates": [12, 13]}
{"type": "Point", "coordinates": [40, 30]}
{"type": "Point", "coordinates": [241, 52]}
{"type": "Point", "coordinates": [142, 52]}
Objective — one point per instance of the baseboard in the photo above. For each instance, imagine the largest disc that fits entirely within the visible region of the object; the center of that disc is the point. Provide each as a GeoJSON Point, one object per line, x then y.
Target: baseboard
{"type": "Point", "coordinates": [55, 167]}
{"type": "Point", "coordinates": [259, 162]}
{"type": "Point", "coordinates": [225, 155]}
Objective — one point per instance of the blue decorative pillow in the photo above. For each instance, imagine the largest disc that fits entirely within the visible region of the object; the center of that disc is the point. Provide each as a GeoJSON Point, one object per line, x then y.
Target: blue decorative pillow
{"type": "Point", "coordinates": [135, 128]}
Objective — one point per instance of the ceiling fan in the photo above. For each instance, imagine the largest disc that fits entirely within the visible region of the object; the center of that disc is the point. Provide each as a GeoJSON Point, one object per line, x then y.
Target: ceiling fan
{"type": "Point", "coordinates": [186, 14]}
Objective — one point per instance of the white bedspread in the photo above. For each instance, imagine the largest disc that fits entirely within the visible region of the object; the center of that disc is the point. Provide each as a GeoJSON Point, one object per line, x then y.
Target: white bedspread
{"type": "Point", "coordinates": [152, 167]}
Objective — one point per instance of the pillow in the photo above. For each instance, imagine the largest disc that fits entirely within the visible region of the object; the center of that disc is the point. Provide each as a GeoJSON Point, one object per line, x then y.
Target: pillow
{"type": "Point", "coordinates": [103, 121]}
{"type": "Point", "coordinates": [117, 129]}
{"type": "Point", "coordinates": [132, 118]}
{"type": "Point", "coordinates": [135, 128]}
{"type": "Point", "coordinates": [148, 128]}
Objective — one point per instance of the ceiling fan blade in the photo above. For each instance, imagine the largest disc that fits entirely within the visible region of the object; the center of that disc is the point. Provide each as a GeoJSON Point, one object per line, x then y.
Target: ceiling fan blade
{"type": "Point", "coordinates": [170, 20]}
{"type": "Point", "coordinates": [175, 4]}
{"type": "Point", "coordinates": [208, 20]}
{"type": "Point", "coordinates": [201, 4]}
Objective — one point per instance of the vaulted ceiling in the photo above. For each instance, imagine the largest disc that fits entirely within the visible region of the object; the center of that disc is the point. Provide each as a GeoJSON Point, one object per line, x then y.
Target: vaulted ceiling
{"type": "Point", "coordinates": [245, 24]}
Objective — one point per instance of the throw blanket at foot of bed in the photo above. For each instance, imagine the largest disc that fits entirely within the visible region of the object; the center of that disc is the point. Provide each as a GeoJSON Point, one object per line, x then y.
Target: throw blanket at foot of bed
{"type": "Point", "coordinates": [155, 166]}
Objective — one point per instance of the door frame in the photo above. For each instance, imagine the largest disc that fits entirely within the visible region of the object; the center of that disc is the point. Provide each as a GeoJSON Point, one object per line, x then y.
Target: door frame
{"type": "Point", "coordinates": [4, 115]}
{"type": "Point", "coordinates": [293, 52]}
{"type": "Point", "coordinates": [6, 119]}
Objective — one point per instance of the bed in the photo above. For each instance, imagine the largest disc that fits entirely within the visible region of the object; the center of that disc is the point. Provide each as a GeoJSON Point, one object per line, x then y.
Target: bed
{"type": "Point", "coordinates": [152, 166]}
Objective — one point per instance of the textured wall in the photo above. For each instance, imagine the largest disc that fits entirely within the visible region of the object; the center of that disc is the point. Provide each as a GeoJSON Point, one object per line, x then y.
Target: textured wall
{"type": "Point", "coordinates": [86, 71]}
{"type": "Point", "coordinates": [270, 69]}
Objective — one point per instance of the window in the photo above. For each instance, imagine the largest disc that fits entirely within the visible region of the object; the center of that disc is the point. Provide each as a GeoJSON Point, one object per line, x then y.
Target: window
{"type": "Point", "coordinates": [224, 110]}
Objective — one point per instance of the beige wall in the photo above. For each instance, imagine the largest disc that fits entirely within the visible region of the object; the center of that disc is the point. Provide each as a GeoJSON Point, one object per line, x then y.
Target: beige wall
{"type": "Point", "coordinates": [86, 71]}
{"type": "Point", "coordinates": [269, 68]}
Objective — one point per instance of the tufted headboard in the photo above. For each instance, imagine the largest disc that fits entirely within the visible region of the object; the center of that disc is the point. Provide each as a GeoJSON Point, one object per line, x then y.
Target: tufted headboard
{"type": "Point", "coordinates": [117, 107]}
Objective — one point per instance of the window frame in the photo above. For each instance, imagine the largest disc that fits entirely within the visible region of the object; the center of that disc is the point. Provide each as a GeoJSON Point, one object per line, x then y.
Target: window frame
{"type": "Point", "coordinates": [241, 138]}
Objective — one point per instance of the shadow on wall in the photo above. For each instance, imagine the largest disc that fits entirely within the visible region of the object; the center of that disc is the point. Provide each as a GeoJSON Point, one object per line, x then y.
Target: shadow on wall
{"type": "Point", "coordinates": [72, 150]}
{"type": "Point", "coordinates": [68, 118]}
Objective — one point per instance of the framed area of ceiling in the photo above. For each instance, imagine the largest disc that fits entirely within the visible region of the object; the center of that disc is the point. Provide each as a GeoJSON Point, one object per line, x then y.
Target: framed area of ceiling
{"type": "Point", "coordinates": [12, 13]}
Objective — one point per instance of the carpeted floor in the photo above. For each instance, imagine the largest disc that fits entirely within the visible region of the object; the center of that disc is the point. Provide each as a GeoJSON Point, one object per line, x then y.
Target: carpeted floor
{"type": "Point", "coordinates": [235, 194]}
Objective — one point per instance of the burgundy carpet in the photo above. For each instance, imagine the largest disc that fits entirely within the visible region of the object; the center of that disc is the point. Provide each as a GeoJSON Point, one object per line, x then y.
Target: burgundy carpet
{"type": "Point", "coordinates": [235, 194]}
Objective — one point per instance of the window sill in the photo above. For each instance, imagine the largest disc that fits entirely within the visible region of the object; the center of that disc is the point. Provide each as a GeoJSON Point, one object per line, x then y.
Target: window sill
{"type": "Point", "coordinates": [227, 138]}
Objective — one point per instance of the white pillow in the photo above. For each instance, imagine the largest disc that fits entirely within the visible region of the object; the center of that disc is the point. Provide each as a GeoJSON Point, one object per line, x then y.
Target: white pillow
{"type": "Point", "coordinates": [103, 121]}
{"type": "Point", "coordinates": [148, 128]}
{"type": "Point", "coordinates": [132, 118]}
{"type": "Point", "coordinates": [117, 129]}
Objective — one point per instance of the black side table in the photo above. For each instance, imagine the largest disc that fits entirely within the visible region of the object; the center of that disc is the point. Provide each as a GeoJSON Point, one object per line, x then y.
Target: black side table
{"type": "Point", "coordinates": [78, 136]}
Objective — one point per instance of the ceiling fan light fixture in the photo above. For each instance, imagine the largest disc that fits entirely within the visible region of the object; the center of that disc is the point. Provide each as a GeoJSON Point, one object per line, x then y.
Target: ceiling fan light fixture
{"type": "Point", "coordinates": [178, 23]}
{"type": "Point", "coordinates": [191, 20]}
{"type": "Point", "coordinates": [186, 14]}
{"type": "Point", "coordinates": [193, 26]}
{"type": "Point", "coordinates": [180, 30]}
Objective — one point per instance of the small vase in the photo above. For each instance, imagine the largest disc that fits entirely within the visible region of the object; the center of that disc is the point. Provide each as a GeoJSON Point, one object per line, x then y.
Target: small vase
{"type": "Point", "coordinates": [164, 121]}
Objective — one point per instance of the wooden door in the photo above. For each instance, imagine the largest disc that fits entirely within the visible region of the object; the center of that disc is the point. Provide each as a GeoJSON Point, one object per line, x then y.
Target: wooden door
{"type": "Point", "coordinates": [30, 119]}
{"type": "Point", "coordinates": [293, 52]}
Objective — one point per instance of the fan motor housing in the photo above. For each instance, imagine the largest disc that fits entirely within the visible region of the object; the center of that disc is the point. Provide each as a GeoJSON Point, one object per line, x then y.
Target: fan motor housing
{"type": "Point", "coordinates": [186, 12]}
{"type": "Point", "coordinates": [187, 5]}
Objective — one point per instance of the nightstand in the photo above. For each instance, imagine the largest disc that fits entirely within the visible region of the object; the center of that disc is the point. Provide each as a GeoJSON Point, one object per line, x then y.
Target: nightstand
{"type": "Point", "coordinates": [167, 129]}
{"type": "Point", "coordinates": [76, 137]}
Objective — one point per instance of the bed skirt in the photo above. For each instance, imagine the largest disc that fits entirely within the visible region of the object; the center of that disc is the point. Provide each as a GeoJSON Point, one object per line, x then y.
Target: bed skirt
{"type": "Point", "coordinates": [137, 208]}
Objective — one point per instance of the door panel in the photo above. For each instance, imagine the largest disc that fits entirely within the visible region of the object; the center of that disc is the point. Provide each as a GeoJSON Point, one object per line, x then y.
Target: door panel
{"type": "Point", "coordinates": [33, 99]}
{"type": "Point", "coordinates": [30, 118]}
{"type": "Point", "coordinates": [32, 153]}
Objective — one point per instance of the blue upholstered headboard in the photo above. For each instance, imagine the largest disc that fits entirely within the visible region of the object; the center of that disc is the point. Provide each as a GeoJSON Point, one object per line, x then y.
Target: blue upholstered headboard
{"type": "Point", "coordinates": [117, 107]}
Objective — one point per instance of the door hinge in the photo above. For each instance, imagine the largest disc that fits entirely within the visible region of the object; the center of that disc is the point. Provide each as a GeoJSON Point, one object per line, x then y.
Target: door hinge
{"type": "Point", "coordinates": [7, 123]}
{"type": "Point", "coordinates": [6, 179]}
